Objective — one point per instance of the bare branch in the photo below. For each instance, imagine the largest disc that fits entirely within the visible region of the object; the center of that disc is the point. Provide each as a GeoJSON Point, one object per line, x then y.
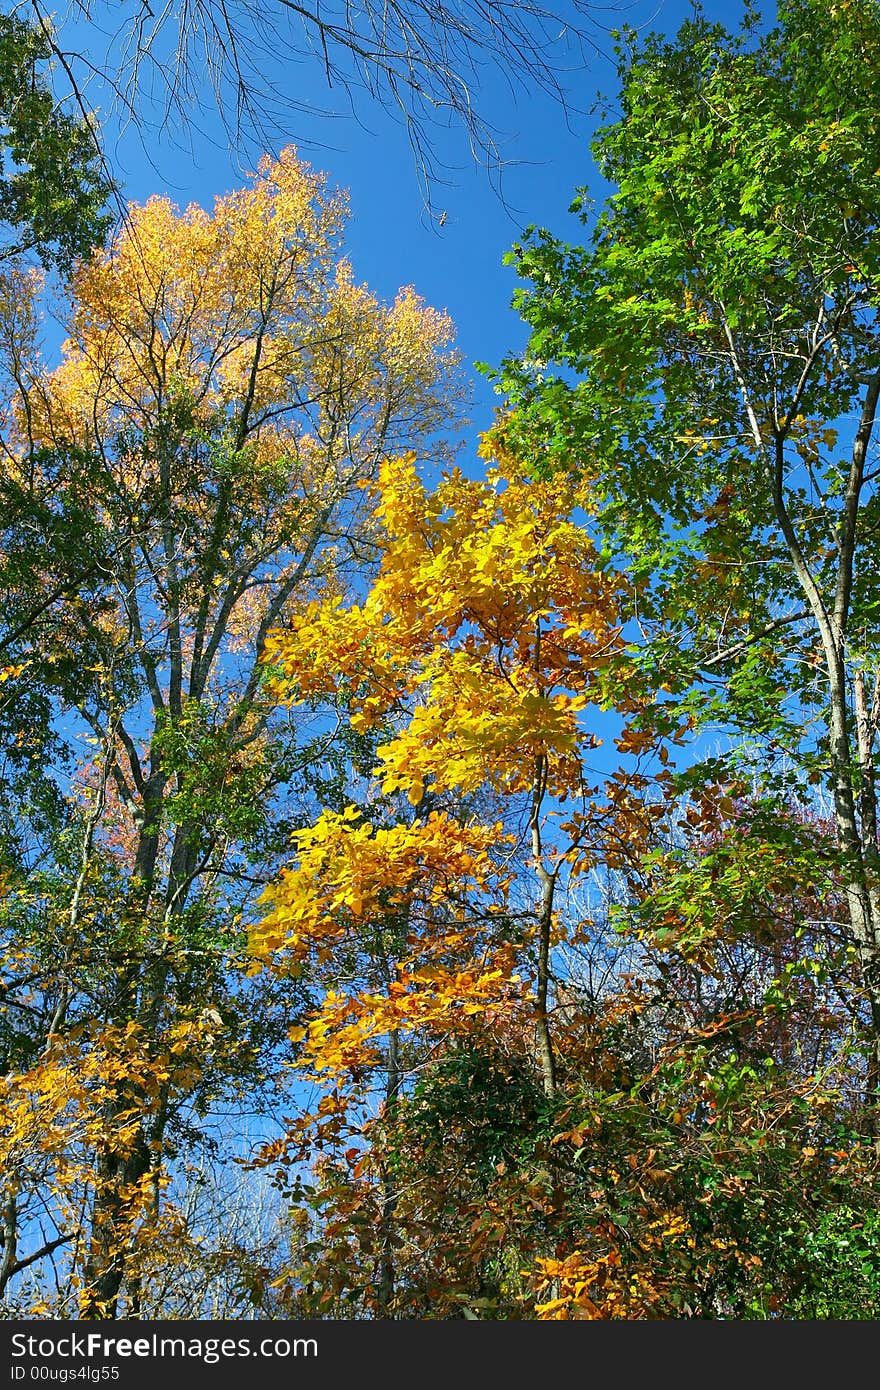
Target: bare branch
{"type": "Point", "coordinates": [422, 61]}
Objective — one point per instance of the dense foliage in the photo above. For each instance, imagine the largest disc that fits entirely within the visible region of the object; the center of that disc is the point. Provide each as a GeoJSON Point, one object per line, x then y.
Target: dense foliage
{"type": "Point", "coordinates": [454, 892]}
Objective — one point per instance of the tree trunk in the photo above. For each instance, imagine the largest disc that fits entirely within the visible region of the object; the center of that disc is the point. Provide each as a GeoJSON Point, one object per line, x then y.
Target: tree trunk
{"type": "Point", "coordinates": [116, 1206]}
{"type": "Point", "coordinates": [386, 1280]}
{"type": "Point", "coordinates": [547, 881]}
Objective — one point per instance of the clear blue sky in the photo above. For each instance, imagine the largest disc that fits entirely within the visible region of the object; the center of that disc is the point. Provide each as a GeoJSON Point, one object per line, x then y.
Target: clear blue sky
{"type": "Point", "coordinates": [390, 241]}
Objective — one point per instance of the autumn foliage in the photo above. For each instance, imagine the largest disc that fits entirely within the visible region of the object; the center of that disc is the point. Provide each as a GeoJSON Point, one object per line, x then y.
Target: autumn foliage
{"type": "Point", "coordinates": [489, 1138]}
{"type": "Point", "coordinates": [437, 886]}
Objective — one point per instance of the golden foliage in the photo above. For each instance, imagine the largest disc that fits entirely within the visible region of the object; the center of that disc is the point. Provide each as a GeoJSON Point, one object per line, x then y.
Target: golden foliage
{"type": "Point", "coordinates": [490, 611]}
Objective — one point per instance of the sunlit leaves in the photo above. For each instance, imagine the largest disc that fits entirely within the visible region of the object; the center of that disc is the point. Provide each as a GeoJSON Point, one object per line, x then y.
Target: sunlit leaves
{"type": "Point", "coordinates": [489, 611]}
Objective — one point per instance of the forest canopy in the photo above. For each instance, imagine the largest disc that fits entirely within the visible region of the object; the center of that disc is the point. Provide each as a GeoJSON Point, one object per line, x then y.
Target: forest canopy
{"type": "Point", "coordinates": [441, 884]}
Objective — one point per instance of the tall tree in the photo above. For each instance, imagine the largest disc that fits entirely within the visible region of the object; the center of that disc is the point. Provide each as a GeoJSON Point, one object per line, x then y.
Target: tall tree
{"type": "Point", "coordinates": [473, 656]}
{"type": "Point", "coordinates": [710, 359]}
{"type": "Point", "coordinates": [53, 208]}
{"type": "Point", "coordinates": [226, 392]}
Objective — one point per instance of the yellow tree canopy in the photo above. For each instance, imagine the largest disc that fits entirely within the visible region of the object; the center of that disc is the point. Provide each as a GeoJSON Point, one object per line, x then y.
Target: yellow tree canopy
{"type": "Point", "coordinates": [248, 309]}
{"type": "Point", "coordinates": [232, 384]}
{"type": "Point", "coordinates": [490, 620]}
{"type": "Point", "coordinates": [480, 645]}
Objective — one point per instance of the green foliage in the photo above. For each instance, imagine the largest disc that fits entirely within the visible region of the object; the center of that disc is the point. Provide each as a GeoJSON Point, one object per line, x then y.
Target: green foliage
{"type": "Point", "coordinates": [484, 1105]}
{"type": "Point", "coordinates": [839, 1259]}
{"type": "Point", "coordinates": [53, 189]}
{"type": "Point", "coordinates": [754, 871]}
{"type": "Point", "coordinates": [712, 338]}
{"type": "Point", "coordinates": [216, 785]}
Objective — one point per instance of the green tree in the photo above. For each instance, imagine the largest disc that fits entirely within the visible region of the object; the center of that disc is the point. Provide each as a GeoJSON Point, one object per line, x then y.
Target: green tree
{"type": "Point", "coordinates": [710, 359]}
{"type": "Point", "coordinates": [53, 209]}
{"type": "Point", "coordinates": [53, 189]}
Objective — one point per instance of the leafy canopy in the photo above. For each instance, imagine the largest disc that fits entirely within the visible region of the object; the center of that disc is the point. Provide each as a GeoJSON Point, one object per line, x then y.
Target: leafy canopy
{"type": "Point", "coordinates": [53, 189]}
{"type": "Point", "coordinates": [704, 355]}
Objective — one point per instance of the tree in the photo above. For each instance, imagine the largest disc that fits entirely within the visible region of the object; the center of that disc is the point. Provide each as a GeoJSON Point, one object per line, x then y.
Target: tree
{"type": "Point", "coordinates": [53, 201]}
{"type": "Point", "coordinates": [53, 208]}
{"type": "Point", "coordinates": [225, 393]}
{"type": "Point", "coordinates": [53, 191]}
{"type": "Point", "coordinates": [473, 655]}
{"type": "Point", "coordinates": [489, 604]}
{"type": "Point", "coordinates": [721, 324]}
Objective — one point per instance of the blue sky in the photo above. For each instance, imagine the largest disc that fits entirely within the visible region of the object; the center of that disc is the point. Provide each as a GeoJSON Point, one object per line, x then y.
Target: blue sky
{"type": "Point", "coordinates": [391, 241]}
